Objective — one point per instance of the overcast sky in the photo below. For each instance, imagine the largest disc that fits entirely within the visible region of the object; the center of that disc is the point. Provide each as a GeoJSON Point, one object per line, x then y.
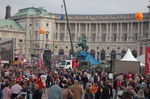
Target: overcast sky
{"type": "Point", "coordinates": [79, 6]}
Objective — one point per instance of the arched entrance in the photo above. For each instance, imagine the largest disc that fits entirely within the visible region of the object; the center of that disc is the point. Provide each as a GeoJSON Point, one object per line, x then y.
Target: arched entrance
{"type": "Point", "coordinates": [113, 55]}
{"type": "Point", "coordinates": [102, 55]}
{"type": "Point", "coordinates": [61, 51]}
{"type": "Point", "coordinates": [92, 52]}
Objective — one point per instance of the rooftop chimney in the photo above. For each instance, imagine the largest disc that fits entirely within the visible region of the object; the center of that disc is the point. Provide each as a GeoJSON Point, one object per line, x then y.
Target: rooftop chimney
{"type": "Point", "coordinates": [8, 12]}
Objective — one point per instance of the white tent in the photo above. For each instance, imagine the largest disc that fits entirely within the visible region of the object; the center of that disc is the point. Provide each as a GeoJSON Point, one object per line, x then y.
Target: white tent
{"type": "Point", "coordinates": [128, 56]}
{"type": "Point", "coordinates": [141, 59]}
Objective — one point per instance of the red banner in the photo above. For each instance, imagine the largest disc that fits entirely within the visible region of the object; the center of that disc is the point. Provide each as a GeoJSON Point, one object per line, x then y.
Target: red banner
{"type": "Point", "coordinates": [147, 60]}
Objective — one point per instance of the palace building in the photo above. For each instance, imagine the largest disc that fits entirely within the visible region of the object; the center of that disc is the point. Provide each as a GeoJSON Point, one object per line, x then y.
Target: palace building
{"type": "Point", "coordinates": [106, 35]}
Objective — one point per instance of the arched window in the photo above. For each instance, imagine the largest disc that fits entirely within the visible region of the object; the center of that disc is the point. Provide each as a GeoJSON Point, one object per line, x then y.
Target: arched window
{"type": "Point", "coordinates": [92, 52]}
{"type": "Point", "coordinates": [102, 55]}
{"type": "Point", "coordinates": [123, 53]}
{"type": "Point", "coordinates": [134, 52]}
{"type": "Point", "coordinates": [61, 51]}
{"type": "Point", "coordinates": [113, 55]}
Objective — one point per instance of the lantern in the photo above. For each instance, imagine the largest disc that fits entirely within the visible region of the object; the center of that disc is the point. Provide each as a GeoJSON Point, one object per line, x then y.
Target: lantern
{"type": "Point", "coordinates": [138, 16]}
{"type": "Point", "coordinates": [41, 31]}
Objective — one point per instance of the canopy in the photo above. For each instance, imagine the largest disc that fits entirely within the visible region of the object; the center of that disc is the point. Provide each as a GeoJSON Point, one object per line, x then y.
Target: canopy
{"type": "Point", "coordinates": [128, 56]}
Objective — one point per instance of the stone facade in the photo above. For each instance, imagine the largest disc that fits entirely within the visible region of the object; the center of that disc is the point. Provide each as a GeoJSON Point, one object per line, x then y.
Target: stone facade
{"type": "Point", "coordinates": [10, 31]}
{"type": "Point", "coordinates": [105, 34]}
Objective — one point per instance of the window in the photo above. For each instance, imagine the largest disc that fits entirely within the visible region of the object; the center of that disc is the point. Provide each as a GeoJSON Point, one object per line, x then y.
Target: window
{"type": "Point", "coordinates": [125, 37]}
{"type": "Point", "coordinates": [93, 37]}
{"type": "Point", "coordinates": [73, 36]}
{"type": "Point", "coordinates": [103, 37]}
{"type": "Point", "coordinates": [20, 40]}
{"type": "Point", "coordinates": [36, 35]}
{"type": "Point", "coordinates": [56, 36]}
{"type": "Point", "coordinates": [61, 36]}
{"type": "Point", "coordinates": [47, 24]}
{"type": "Point", "coordinates": [61, 51]}
{"type": "Point", "coordinates": [37, 46]}
{"type": "Point", "coordinates": [114, 37]}
{"type": "Point", "coordinates": [135, 37]}
{"type": "Point", "coordinates": [46, 46]}
{"type": "Point", "coordinates": [46, 36]}
{"type": "Point", "coordinates": [36, 24]}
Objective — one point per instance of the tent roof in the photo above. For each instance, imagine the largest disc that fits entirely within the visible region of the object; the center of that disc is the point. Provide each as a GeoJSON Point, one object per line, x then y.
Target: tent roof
{"type": "Point", "coordinates": [128, 56]}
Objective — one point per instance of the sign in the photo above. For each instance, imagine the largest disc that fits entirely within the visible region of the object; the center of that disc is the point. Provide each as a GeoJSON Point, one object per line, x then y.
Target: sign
{"type": "Point", "coordinates": [147, 60]}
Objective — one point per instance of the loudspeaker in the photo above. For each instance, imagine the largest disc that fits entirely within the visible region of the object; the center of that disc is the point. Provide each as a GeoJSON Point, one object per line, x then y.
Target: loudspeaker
{"type": "Point", "coordinates": [47, 58]}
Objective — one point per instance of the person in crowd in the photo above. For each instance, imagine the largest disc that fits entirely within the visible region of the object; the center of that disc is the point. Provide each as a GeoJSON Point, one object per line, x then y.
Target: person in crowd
{"type": "Point", "coordinates": [15, 90]}
{"type": "Point", "coordinates": [36, 92]}
{"type": "Point", "coordinates": [126, 95]}
{"type": "Point", "coordinates": [55, 92]}
{"type": "Point", "coordinates": [7, 91]}
{"type": "Point", "coordinates": [139, 95]}
{"type": "Point", "coordinates": [76, 90]}
{"type": "Point", "coordinates": [85, 79]}
{"type": "Point", "coordinates": [88, 94]}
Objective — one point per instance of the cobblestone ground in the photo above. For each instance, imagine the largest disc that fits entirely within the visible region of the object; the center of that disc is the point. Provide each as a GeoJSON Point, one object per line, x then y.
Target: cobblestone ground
{"type": "Point", "coordinates": [45, 94]}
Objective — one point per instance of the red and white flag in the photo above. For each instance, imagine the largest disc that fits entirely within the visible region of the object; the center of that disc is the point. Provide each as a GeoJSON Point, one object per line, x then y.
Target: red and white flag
{"type": "Point", "coordinates": [40, 61]}
{"type": "Point", "coordinates": [147, 60]}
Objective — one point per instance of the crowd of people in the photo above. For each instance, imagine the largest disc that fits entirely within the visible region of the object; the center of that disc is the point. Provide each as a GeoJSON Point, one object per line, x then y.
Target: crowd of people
{"type": "Point", "coordinates": [17, 82]}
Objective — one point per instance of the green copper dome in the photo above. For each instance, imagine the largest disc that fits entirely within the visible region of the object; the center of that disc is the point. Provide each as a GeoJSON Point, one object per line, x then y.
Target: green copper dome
{"type": "Point", "coordinates": [31, 11]}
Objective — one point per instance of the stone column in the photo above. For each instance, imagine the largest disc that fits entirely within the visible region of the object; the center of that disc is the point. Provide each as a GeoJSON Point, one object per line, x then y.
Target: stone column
{"type": "Point", "coordinates": [100, 32]}
{"type": "Point", "coordinates": [79, 34]}
{"type": "Point", "coordinates": [97, 35]}
{"type": "Point", "coordinates": [142, 29]}
{"type": "Point", "coordinates": [121, 33]}
{"type": "Point", "coordinates": [117, 34]}
{"type": "Point", "coordinates": [86, 30]}
{"type": "Point", "coordinates": [76, 32]}
{"type": "Point", "coordinates": [89, 33]}
{"type": "Point", "coordinates": [128, 31]}
{"type": "Point", "coordinates": [110, 32]}
{"type": "Point", "coordinates": [139, 33]}
{"type": "Point", "coordinates": [107, 32]}
{"type": "Point", "coordinates": [66, 35]}
{"type": "Point", "coordinates": [58, 32]}
{"type": "Point", "coordinates": [131, 32]}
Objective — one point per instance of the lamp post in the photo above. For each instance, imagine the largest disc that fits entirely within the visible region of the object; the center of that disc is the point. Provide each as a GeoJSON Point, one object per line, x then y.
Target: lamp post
{"type": "Point", "coordinates": [68, 27]}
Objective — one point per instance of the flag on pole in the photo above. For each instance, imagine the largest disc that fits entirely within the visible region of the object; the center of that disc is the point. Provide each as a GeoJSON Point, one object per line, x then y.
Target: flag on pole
{"type": "Point", "coordinates": [40, 61]}
{"type": "Point", "coordinates": [147, 60]}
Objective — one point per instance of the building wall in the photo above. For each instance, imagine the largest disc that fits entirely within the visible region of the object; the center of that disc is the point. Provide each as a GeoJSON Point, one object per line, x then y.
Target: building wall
{"type": "Point", "coordinates": [6, 33]}
{"type": "Point", "coordinates": [103, 32]}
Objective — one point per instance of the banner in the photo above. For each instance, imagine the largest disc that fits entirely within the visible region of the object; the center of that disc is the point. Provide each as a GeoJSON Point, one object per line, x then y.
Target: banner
{"type": "Point", "coordinates": [147, 60]}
